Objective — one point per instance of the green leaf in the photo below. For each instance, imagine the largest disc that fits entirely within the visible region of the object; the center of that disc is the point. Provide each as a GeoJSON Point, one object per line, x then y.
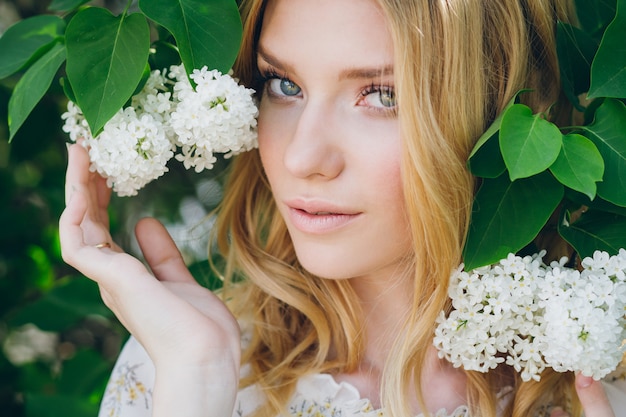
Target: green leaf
{"type": "Point", "coordinates": [579, 165]}
{"type": "Point", "coordinates": [608, 133]}
{"type": "Point", "coordinates": [576, 50]}
{"type": "Point", "coordinates": [509, 213]}
{"type": "Point", "coordinates": [106, 57]}
{"type": "Point", "coordinates": [32, 86]}
{"type": "Point", "coordinates": [608, 71]}
{"type": "Point", "coordinates": [206, 33]}
{"type": "Point", "coordinates": [27, 39]}
{"type": "Point", "coordinates": [594, 230]}
{"type": "Point", "coordinates": [66, 5]}
{"type": "Point", "coordinates": [67, 89]}
{"type": "Point", "coordinates": [63, 306]}
{"type": "Point", "coordinates": [486, 161]}
{"type": "Point", "coordinates": [529, 143]}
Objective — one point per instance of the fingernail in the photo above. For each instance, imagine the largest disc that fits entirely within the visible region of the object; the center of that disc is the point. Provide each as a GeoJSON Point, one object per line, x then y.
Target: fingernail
{"type": "Point", "coordinates": [558, 412]}
{"type": "Point", "coordinates": [67, 146]}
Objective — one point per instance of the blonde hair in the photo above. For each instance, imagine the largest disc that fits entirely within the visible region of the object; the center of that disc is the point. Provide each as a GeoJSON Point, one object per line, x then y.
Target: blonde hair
{"type": "Point", "coordinates": [457, 63]}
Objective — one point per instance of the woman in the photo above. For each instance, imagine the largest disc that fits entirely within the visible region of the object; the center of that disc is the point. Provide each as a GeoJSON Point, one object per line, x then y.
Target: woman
{"type": "Point", "coordinates": [346, 223]}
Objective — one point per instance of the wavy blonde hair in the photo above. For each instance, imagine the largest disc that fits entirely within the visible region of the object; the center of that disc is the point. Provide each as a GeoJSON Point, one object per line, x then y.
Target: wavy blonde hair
{"type": "Point", "coordinates": [457, 63]}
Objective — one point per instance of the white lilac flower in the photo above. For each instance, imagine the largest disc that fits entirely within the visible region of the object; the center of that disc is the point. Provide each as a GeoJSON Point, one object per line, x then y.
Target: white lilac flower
{"type": "Point", "coordinates": [134, 147]}
{"type": "Point", "coordinates": [534, 316]}
{"type": "Point", "coordinates": [218, 116]}
{"type": "Point", "coordinates": [131, 151]}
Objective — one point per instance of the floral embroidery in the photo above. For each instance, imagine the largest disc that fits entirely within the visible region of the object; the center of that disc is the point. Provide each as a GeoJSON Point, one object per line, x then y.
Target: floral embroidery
{"type": "Point", "coordinates": [125, 389]}
{"type": "Point", "coordinates": [308, 408]}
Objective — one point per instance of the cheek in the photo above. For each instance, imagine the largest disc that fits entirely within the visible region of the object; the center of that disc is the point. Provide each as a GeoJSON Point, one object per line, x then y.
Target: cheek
{"type": "Point", "coordinates": [386, 171]}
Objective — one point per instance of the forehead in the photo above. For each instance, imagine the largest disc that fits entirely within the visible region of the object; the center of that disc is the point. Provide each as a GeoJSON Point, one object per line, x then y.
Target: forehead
{"type": "Point", "coordinates": [331, 30]}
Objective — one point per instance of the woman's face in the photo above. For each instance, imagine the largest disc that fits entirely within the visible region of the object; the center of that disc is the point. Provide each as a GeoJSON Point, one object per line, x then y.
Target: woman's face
{"type": "Point", "coordinates": [329, 136]}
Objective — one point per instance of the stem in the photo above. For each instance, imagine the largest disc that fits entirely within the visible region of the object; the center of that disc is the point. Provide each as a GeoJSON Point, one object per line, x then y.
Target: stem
{"type": "Point", "coordinates": [128, 4]}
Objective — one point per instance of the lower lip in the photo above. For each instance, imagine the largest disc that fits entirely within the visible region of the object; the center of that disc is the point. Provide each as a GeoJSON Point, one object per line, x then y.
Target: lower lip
{"type": "Point", "coordinates": [319, 223]}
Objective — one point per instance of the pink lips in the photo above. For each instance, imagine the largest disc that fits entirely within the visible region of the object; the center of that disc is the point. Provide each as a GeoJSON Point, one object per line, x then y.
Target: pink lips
{"type": "Point", "coordinates": [318, 218]}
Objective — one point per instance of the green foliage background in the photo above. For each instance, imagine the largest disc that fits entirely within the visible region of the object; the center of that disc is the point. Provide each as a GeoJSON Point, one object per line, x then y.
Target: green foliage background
{"type": "Point", "coordinates": [36, 286]}
{"type": "Point", "coordinates": [531, 171]}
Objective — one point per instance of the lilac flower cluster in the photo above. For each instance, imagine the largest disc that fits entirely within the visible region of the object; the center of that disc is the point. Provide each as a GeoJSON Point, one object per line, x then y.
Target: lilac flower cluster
{"type": "Point", "coordinates": [169, 118]}
{"type": "Point", "coordinates": [532, 316]}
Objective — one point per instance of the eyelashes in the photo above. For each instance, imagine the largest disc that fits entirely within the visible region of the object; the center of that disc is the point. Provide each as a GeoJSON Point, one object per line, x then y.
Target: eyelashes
{"type": "Point", "coordinates": [262, 77]}
{"type": "Point", "coordinates": [380, 98]}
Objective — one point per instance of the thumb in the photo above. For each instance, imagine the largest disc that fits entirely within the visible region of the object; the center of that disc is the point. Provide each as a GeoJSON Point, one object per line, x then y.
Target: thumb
{"type": "Point", "coordinates": [161, 252]}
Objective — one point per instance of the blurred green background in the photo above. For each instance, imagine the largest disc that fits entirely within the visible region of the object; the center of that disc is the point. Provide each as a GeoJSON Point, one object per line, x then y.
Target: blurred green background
{"type": "Point", "coordinates": [58, 342]}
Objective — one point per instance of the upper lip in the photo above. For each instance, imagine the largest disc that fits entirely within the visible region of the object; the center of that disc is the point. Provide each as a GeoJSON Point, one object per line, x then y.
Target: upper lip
{"type": "Point", "coordinates": [319, 207]}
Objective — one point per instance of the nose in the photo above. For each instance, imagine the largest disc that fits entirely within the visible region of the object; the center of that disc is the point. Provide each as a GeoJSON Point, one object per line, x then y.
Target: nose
{"type": "Point", "coordinates": [315, 149]}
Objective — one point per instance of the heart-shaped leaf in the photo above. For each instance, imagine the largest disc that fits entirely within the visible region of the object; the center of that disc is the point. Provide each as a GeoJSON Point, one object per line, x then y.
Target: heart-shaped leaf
{"type": "Point", "coordinates": [529, 143]}
{"type": "Point", "coordinates": [106, 57]}
{"type": "Point", "coordinates": [507, 215]}
{"type": "Point", "coordinates": [206, 32]}
{"type": "Point", "coordinates": [608, 133]}
{"type": "Point", "coordinates": [579, 165]}
{"type": "Point", "coordinates": [27, 39]}
{"type": "Point", "coordinates": [32, 86]}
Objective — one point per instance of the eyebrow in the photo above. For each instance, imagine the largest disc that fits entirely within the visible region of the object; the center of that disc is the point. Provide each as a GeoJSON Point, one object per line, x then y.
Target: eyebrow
{"type": "Point", "coordinates": [348, 73]}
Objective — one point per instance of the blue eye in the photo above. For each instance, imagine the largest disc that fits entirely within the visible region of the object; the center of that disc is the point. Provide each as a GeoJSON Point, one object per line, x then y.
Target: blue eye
{"type": "Point", "coordinates": [381, 97]}
{"type": "Point", "coordinates": [283, 87]}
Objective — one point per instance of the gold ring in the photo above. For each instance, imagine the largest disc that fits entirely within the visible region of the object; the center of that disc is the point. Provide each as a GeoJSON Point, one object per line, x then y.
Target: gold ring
{"type": "Point", "coordinates": [102, 245]}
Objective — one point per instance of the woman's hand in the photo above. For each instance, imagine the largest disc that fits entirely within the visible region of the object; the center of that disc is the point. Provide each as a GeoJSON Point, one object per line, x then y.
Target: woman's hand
{"type": "Point", "coordinates": [190, 335]}
{"type": "Point", "coordinates": [592, 397]}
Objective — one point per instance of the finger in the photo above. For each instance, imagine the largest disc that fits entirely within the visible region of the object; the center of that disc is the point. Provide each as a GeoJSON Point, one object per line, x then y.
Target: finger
{"type": "Point", "coordinates": [77, 170]}
{"type": "Point", "coordinates": [103, 197]}
{"type": "Point", "coordinates": [72, 235]}
{"type": "Point", "coordinates": [161, 252]}
{"type": "Point", "coordinates": [592, 397]}
{"type": "Point", "coordinates": [79, 180]}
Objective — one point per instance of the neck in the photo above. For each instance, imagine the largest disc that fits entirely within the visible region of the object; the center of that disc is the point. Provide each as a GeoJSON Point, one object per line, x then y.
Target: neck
{"type": "Point", "coordinates": [385, 304]}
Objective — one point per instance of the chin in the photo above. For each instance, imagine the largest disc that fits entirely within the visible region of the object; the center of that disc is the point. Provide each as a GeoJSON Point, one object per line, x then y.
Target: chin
{"type": "Point", "coordinates": [325, 268]}
{"type": "Point", "coordinates": [322, 272]}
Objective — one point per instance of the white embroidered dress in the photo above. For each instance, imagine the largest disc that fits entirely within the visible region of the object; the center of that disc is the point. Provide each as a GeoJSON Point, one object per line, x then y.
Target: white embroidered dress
{"type": "Point", "coordinates": [129, 393]}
